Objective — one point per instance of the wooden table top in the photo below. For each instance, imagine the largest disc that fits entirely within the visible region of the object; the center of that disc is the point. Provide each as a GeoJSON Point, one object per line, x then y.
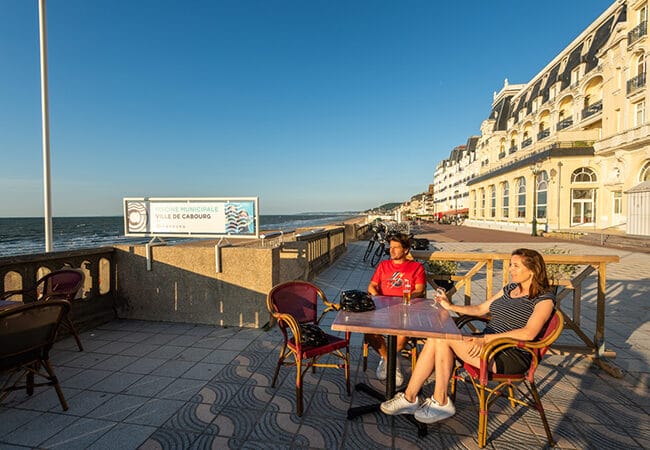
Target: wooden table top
{"type": "Point", "coordinates": [422, 318]}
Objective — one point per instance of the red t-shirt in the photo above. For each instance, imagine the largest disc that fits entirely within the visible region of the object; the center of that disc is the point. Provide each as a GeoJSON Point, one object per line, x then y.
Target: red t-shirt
{"type": "Point", "coordinates": [390, 276]}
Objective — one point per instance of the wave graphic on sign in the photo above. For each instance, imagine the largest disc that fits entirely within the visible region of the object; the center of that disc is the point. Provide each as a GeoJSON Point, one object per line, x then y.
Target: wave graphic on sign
{"type": "Point", "coordinates": [238, 219]}
{"type": "Point", "coordinates": [137, 216]}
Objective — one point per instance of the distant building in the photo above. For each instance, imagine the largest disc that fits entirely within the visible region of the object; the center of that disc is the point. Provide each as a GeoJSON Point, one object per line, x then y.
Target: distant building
{"type": "Point", "coordinates": [570, 147]}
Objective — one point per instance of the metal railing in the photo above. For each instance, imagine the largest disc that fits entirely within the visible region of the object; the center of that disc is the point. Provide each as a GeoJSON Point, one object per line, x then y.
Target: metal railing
{"type": "Point", "coordinates": [543, 134]}
{"type": "Point", "coordinates": [562, 124]}
{"type": "Point", "coordinates": [637, 32]}
{"type": "Point", "coordinates": [636, 83]}
{"type": "Point", "coordinates": [592, 109]}
{"type": "Point", "coordinates": [526, 142]}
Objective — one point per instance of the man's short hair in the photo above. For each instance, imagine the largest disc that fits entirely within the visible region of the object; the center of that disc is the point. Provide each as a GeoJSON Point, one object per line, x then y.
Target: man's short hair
{"type": "Point", "coordinates": [403, 239]}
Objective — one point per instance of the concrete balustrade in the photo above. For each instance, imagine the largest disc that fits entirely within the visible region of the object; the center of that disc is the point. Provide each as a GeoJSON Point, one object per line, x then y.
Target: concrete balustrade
{"type": "Point", "coordinates": [183, 284]}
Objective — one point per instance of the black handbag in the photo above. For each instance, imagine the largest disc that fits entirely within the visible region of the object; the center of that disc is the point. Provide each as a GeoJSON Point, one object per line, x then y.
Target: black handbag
{"type": "Point", "coordinates": [311, 335]}
{"type": "Point", "coordinates": [356, 301]}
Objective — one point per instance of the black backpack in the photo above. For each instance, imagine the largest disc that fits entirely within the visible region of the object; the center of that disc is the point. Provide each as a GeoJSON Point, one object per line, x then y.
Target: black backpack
{"type": "Point", "coordinates": [356, 301]}
{"type": "Point", "coordinates": [312, 335]}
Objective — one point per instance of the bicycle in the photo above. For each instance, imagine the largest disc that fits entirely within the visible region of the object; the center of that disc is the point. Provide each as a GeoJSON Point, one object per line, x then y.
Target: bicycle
{"type": "Point", "coordinates": [378, 232]}
{"type": "Point", "coordinates": [383, 248]}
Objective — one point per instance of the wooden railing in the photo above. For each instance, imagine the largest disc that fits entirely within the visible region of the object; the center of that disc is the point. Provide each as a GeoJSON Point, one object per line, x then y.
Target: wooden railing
{"type": "Point", "coordinates": [494, 266]}
{"type": "Point", "coordinates": [323, 248]}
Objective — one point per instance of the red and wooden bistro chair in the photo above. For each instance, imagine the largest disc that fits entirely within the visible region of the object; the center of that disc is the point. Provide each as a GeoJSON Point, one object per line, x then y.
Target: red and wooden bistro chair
{"type": "Point", "coordinates": [61, 284]}
{"type": "Point", "coordinates": [490, 386]}
{"type": "Point", "coordinates": [293, 304]}
{"type": "Point", "coordinates": [27, 333]}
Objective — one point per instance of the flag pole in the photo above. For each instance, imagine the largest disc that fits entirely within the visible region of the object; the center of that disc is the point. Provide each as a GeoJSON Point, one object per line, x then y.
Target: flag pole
{"type": "Point", "coordinates": [46, 126]}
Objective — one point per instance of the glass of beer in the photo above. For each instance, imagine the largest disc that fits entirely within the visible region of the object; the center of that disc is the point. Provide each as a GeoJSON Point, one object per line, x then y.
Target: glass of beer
{"type": "Point", "coordinates": [439, 294]}
{"type": "Point", "coordinates": [406, 292]}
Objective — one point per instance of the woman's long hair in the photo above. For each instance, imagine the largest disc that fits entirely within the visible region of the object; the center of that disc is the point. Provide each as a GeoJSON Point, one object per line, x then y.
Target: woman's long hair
{"type": "Point", "coordinates": [534, 262]}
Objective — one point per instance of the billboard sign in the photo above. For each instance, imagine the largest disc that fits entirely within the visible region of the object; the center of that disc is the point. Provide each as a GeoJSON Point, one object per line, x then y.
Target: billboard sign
{"type": "Point", "coordinates": [236, 217]}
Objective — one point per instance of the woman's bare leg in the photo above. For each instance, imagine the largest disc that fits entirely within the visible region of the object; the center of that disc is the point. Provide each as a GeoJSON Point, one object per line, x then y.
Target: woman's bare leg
{"type": "Point", "coordinates": [445, 356]}
{"type": "Point", "coordinates": [423, 369]}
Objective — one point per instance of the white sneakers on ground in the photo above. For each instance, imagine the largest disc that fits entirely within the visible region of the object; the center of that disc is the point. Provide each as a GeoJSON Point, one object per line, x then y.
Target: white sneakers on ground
{"type": "Point", "coordinates": [429, 412]}
{"type": "Point", "coordinates": [399, 405]}
{"type": "Point", "coordinates": [381, 372]}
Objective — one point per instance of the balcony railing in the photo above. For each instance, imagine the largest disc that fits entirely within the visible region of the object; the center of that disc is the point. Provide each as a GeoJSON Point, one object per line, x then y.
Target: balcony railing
{"type": "Point", "coordinates": [637, 32]}
{"type": "Point", "coordinates": [502, 155]}
{"type": "Point", "coordinates": [512, 149]}
{"type": "Point", "coordinates": [526, 142]}
{"type": "Point", "coordinates": [543, 134]}
{"type": "Point", "coordinates": [636, 83]}
{"type": "Point", "coordinates": [562, 124]}
{"type": "Point", "coordinates": [592, 109]}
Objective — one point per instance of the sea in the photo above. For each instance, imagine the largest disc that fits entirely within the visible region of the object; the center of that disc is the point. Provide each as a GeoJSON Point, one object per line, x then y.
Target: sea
{"type": "Point", "coordinates": [24, 236]}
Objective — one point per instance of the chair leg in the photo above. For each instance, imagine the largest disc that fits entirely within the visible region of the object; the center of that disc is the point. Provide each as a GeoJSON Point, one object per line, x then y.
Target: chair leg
{"type": "Point", "coordinates": [73, 331]}
{"type": "Point", "coordinates": [414, 354]}
{"type": "Point", "coordinates": [542, 414]}
{"type": "Point", "coordinates": [365, 355]}
{"type": "Point", "coordinates": [482, 417]}
{"type": "Point", "coordinates": [278, 365]}
{"type": "Point", "coordinates": [347, 369]}
{"type": "Point", "coordinates": [29, 384]}
{"type": "Point", "coordinates": [298, 386]}
{"type": "Point", "coordinates": [55, 382]}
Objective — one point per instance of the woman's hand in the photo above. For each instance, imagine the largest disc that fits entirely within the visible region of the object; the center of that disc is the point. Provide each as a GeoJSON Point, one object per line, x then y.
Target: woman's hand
{"type": "Point", "coordinates": [443, 301]}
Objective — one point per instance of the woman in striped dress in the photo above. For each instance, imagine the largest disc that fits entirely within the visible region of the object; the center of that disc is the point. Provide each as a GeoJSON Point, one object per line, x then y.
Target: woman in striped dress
{"type": "Point", "coordinates": [519, 311]}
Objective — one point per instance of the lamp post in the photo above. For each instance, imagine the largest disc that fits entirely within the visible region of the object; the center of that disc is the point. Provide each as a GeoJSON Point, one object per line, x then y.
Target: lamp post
{"type": "Point", "coordinates": [535, 168]}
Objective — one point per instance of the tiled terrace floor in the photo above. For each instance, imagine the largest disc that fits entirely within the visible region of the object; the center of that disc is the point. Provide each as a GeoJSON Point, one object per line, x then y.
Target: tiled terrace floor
{"type": "Point", "coordinates": [160, 385]}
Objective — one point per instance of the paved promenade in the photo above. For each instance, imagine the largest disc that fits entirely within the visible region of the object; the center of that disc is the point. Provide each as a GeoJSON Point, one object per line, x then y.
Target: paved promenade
{"type": "Point", "coordinates": [155, 385]}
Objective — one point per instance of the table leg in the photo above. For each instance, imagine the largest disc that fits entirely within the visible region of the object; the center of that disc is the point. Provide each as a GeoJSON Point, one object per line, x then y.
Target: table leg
{"type": "Point", "coordinates": [391, 365]}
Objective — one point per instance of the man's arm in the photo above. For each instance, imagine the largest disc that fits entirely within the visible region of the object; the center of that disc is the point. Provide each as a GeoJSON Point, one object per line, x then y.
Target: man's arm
{"type": "Point", "coordinates": [373, 288]}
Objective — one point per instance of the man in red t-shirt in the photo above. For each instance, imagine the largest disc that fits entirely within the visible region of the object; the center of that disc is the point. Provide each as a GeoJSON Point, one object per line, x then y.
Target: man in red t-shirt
{"type": "Point", "coordinates": [388, 279]}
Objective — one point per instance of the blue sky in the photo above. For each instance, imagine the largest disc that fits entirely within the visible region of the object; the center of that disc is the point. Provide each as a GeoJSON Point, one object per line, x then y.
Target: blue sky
{"type": "Point", "coordinates": [325, 105]}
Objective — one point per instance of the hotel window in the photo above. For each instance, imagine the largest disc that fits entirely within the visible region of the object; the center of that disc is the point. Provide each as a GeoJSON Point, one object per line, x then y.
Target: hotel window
{"type": "Point", "coordinates": [617, 202]}
{"type": "Point", "coordinates": [639, 113]}
{"type": "Point", "coordinates": [643, 15]}
{"type": "Point", "coordinates": [521, 197]}
{"type": "Point", "coordinates": [645, 172]}
{"type": "Point", "coordinates": [505, 193]}
{"type": "Point", "coordinates": [542, 194]}
{"type": "Point", "coordinates": [583, 198]}
{"type": "Point", "coordinates": [482, 194]}
{"type": "Point", "coordinates": [493, 201]}
{"type": "Point", "coordinates": [474, 203]}
{"type": "Point", "coordinates": [575, 76]}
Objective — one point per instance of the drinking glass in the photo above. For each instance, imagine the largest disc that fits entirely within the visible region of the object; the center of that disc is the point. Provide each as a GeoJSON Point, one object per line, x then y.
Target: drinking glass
{"type": "Point", "coordinates": [439, 294]}
{"type": "Point", "coordinates": [406, 292]}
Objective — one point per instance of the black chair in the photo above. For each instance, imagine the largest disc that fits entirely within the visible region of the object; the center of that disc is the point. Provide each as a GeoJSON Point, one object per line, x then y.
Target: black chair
{"type": "Point", "coordinates": [62, 284]}
{"type": "Point", "coordinates": [27, 333]}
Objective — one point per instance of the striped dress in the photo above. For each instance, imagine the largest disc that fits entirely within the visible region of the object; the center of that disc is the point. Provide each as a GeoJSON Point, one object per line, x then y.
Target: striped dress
{"type": "Point", "coordinates": [508, 313]}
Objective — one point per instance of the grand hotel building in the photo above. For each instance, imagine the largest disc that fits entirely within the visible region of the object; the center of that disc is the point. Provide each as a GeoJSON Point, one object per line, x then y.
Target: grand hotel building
{"type": "Point", "coordinates": [570, 149]}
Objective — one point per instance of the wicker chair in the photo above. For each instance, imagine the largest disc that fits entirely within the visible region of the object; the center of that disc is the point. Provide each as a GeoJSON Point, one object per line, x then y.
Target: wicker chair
{"type": "Point", "coordinates": [27, 333]}
{"type": "Point", "coordinates": [490, 386]}
{"type": "Point", "coordinates": [295, 303]}
{"type": "Point", "coordinates": [62, 284]}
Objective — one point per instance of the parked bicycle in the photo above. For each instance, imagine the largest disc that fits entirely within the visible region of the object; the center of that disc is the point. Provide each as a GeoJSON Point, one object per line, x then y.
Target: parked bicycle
{"type": "Point", "coordinates": [383, 246]}
{"type": "Point", "coordinates": [379, 233]}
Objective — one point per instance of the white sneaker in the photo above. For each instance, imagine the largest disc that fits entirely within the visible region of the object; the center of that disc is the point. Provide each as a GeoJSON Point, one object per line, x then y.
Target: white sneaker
{"type": "Point", "coordinates": [431, 411]}
{"type": "Point", "coordinates": [399, 405]}
{"type": "Point", "coordinates": [381, 372]}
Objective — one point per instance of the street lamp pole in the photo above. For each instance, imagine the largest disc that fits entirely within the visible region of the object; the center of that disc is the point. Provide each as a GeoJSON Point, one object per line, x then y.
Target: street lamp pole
{"type": "Point", "coordinates": [535, 169]}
